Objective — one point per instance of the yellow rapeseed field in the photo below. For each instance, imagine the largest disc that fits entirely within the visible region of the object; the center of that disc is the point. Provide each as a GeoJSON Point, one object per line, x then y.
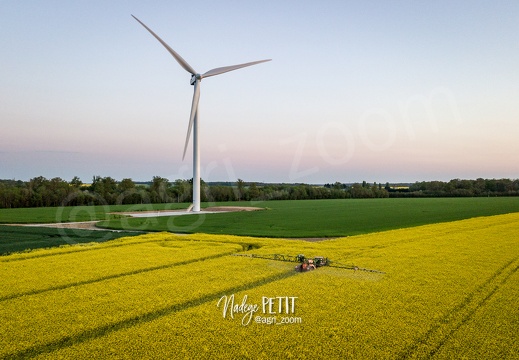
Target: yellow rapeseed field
{"type": "Point", "coordinates": [448, 291]}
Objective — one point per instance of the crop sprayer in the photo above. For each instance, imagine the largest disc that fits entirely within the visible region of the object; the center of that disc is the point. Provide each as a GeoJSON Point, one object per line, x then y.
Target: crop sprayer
{"type": "Point", "coordinates": [308, 264]}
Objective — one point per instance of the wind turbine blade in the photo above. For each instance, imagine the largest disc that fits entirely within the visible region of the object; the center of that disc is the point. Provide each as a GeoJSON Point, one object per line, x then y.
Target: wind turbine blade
{"type": "Point", "coordinates": [225, 69]}
{"type": "Point", "coordinates": [194, 111]}
{"type": "Point", "coordinates": [177, 57]}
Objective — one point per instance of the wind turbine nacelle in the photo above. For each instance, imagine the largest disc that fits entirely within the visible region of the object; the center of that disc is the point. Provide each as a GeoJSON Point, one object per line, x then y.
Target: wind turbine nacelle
{"type": "Point", "coordinates": [194, 78]}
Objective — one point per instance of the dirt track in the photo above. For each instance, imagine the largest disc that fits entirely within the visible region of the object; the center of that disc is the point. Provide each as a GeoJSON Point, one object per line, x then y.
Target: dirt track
{"type": "Point", "coordinates": [84, 225]}
{"type": "Point", "coordinates": [233, 208]}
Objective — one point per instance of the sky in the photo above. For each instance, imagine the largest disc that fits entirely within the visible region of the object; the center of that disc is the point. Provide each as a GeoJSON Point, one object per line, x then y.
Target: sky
{"type": "Point", "coordinates": [382, 91]}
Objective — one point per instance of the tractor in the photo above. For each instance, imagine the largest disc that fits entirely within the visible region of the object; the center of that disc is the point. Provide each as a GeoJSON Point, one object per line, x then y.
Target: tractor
{"type": "Point", "coordinates": [307, 264]}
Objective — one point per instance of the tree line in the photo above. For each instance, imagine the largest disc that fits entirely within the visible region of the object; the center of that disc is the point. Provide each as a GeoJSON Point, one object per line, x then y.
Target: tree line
{"type": "Point", "coordinates": [42, 192]}
{"type": "Point", "coordinates": [460, 188]}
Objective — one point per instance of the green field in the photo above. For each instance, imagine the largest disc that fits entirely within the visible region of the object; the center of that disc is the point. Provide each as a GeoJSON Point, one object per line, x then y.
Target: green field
{"type": "Point", "coordinates": [74, 213]}
{"type": "Point", "coordinates": [324, 218]}
{"type": "Point", "coordinates": [288, 219]}
{"type": "Point", "coordinates": [448, 291]}
{"type": "Point", "coordinates": [21, 238]}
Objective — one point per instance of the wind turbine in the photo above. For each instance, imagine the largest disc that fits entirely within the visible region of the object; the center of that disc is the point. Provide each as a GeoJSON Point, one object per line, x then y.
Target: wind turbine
{"type": "Point", "coordinates": [196, 78]}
